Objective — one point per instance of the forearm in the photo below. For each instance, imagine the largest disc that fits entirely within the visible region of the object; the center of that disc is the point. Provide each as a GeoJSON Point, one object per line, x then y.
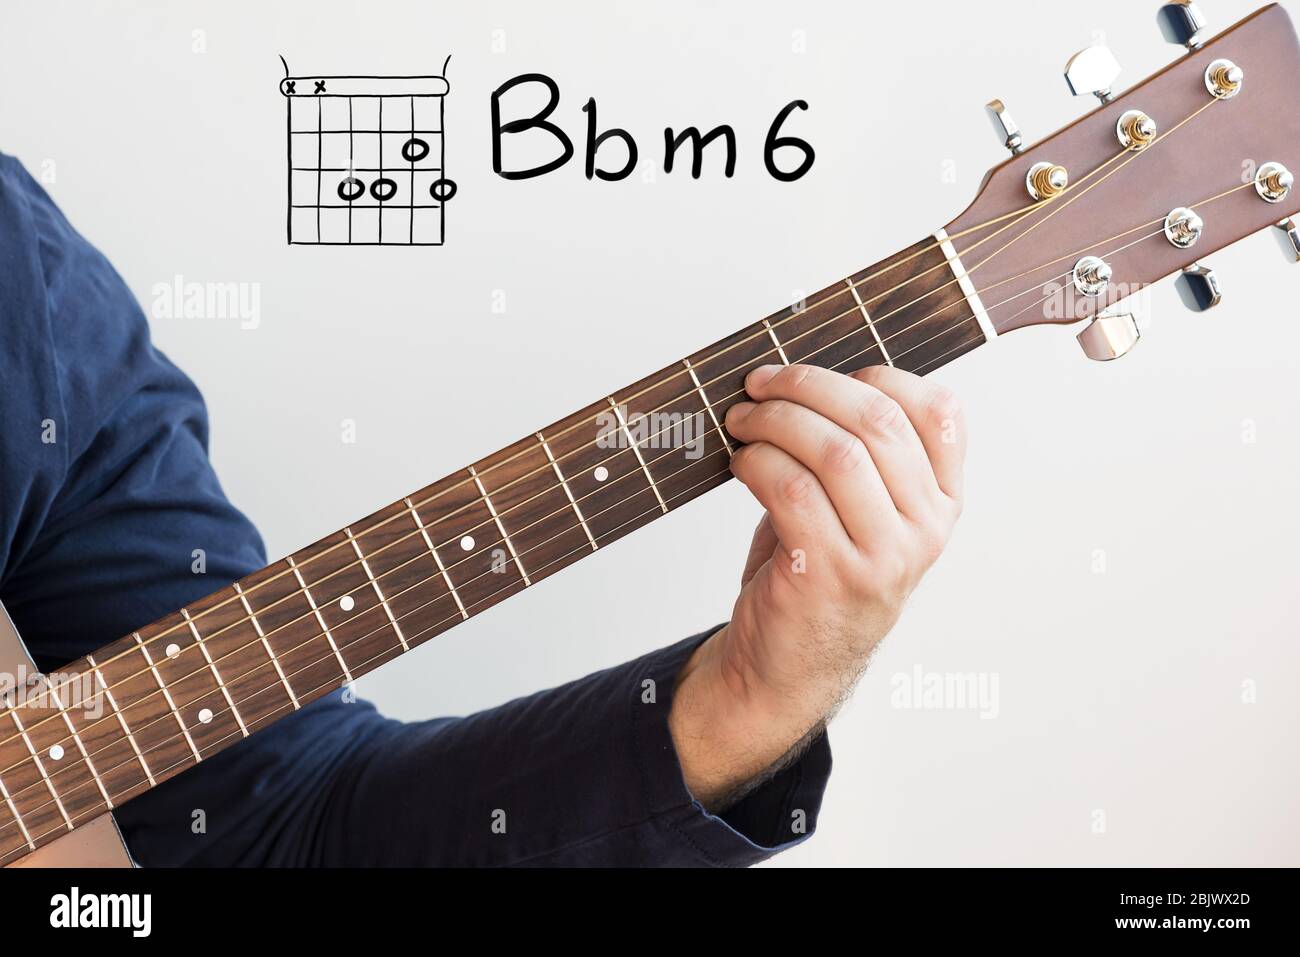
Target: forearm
{"type": "Point", "coordinates": [732, 737]}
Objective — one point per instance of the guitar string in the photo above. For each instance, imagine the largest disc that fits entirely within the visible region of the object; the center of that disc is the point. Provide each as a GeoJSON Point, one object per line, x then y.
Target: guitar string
{"type": "Point", "coordinates": [363, 585]}
{"type": "Point", "coordinates": [1028, 211]}
{"type": "Point", "coordinates": [1022, 213]}
{"type": "Point", "coordinates": [943, 332]}
{"type": "Point", "coordinates": [487, 598]}
{"type": "Point", "coordinates": [1059, 208]}
{"type": "Point", "coordinates": [175, 682]}
{"type": "Point", "coordinates": [172, 739]}
{"type": "Point", "coordinates": [384, 627]}
{"type": "Point", "coordinates": [609, 459]}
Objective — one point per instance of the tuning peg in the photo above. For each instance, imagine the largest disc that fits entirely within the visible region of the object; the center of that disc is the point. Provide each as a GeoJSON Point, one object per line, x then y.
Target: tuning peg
{"type": "Point", "coordinates": [1092, 70]}
{"type": "Point", "coordinates": [1289, 236]}
{"type": "Point", "coordinates": [1005, 126]}
{"type": "Point", "coordinates": [1182, 22]}
{"type": "Point", "coordinates": [1198, 287]}
{"type": "Point", "coordinates": [1111, 334]}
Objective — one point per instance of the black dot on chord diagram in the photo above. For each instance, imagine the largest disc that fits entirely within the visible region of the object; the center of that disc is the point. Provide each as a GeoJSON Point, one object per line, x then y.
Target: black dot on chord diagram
{"type": "Point", "coordinates": [442, 189]}
{"type": "Point", "coordinates": [351, 188]}
{"type": "Point", "coordinates": [383, 189]}
{"type": "Point", "coordinates": [414, 150]}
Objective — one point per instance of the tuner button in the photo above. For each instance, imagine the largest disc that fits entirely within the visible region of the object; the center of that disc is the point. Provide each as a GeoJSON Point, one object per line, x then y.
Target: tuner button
{"type": "Point", "coordinates": [1092, 70]}
{"type": "Point", "coordinates": [1182, 23]}
{"type": "Point", "coordinates": [1112, 334]}
{"type": "Point", "coordinates": [1005, 126]}
{"type": "Point", "coordinates": [1198, 287]}
{"type": "Point", "coordinates": [1289, 236]}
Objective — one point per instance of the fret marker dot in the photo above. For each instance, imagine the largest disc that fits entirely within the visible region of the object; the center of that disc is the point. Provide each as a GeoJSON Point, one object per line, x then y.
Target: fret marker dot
{"type": "Point", "coordinates": [346, 603]}
{"type": "Point", "coordinates": [56, 752]}
{"type": "Point", "coordinates": [467, 543]}
{"type": "Point", "coordinates": [601, 473]}
{"type": "Point", "coordinates": [205, 715]}
{"type": "Point", "coordinates": [173, 650]}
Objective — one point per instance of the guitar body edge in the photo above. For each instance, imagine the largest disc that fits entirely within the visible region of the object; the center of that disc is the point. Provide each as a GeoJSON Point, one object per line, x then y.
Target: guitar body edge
{"type": "Point", "coordinates": [97, 843]}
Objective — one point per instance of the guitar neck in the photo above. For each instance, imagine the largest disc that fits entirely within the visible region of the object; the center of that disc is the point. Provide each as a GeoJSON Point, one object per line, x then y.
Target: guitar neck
{"type": "Point", "coordinates": [142, 709]}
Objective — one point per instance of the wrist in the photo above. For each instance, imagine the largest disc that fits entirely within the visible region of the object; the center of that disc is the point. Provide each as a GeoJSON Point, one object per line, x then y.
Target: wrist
{"type": "Point", "coordinates": [727, 727]}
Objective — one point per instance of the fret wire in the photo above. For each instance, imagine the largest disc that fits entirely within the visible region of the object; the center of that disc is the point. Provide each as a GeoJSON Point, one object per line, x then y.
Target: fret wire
{"type": "Point", "coordinates": [374, 584]}
{"type": "Point", "coordinates": [215, 673]}
{"type": "Point", "coordinates": [726, 439]}
{"type": "Point", "coordinates": [779, 350]}
{"type": "Point", "coordinates": [112, 703]}
{"type": "Point", "coordinates": [40, 768]}
{"type": "Point", "coordinates": [320, 618]}
{"type": "Point", "coordinates": [870, 325]}
{"type": "Point", "coordinates": [270, 652]}
{"type": "Point", "coordinates": [18, 818]}
{"type": "Point", "coordinates": [437, 558]}
{"type": "Point", "coordinates": [637, 451]}
{"type": "Point", "coordinates": [501, 528]}
{"type": "Point", "coordinates": [85, 757]}
{"type": "Point", "coordinates": [167, 695]}
{"type": "Point", "coordinates": [568, 493]}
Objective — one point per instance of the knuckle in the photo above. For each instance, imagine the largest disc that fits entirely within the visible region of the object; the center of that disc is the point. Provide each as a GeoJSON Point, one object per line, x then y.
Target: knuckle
{"type": "Point", "coordinates": [843, 454]}
{"type": "Point", "coordinates": [932, 539]}
{"type": "Point", "coordinates": [796, 487]}
{"type": "Point", "coordinates": [891, 577]}
{"type": "Point", "coordinates": [768, 413]}
{"type": "Point", "coordinates": [871, 375]}
{"type": "Point", "coordinates": [943, 408]}
{"type": "Point", "coordinates": [881, 415]}
{"type": "Point", "coordinates": [795, 377]}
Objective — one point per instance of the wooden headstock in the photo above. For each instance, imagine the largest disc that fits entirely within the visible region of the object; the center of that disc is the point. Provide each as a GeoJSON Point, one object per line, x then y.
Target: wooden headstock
{"type": "Point", "coordinates": [1205, 156]}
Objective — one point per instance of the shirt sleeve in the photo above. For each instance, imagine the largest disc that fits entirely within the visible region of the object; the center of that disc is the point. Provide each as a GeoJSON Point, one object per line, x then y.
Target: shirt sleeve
{"type": "Point", "coordinates": [106, 498]}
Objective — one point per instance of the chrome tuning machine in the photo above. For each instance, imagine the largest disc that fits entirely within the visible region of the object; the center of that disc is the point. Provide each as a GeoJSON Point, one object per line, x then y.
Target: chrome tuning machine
{"type": "Point", "coordinates": [1005, 127]}
{"type": "Point", "coordinates": [1111, 334]}
{"type": "Point", "coordinates": [1198, 287]}
{"type": "Point", "coordinates": [1092, 70]}
{"type": "Point", "coordinates": [1289, 236]}
{"type": "Point", "coordinates": [1182, 23]}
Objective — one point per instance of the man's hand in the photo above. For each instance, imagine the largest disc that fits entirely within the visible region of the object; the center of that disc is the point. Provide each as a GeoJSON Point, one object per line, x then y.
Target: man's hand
{"type": "Point", "coordinates": [861, 479]}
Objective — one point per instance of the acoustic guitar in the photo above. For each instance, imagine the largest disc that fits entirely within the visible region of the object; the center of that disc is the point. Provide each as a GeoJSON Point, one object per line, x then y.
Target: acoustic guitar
{"type": "Point", "coordinates": [1193, 158]}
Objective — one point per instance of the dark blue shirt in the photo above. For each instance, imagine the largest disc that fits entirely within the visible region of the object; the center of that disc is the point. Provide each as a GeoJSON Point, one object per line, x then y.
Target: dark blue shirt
{"type": "Point", "coordinates": [105, 487]}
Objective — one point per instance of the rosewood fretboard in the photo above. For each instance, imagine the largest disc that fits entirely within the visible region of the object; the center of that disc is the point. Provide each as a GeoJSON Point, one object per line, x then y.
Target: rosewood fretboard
{"type": "Point", "coordinates": [179, 690]}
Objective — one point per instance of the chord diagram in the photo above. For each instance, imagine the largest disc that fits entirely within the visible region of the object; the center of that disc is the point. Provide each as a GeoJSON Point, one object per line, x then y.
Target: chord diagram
{"type": "Point", "coordinates": [366, 158]}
